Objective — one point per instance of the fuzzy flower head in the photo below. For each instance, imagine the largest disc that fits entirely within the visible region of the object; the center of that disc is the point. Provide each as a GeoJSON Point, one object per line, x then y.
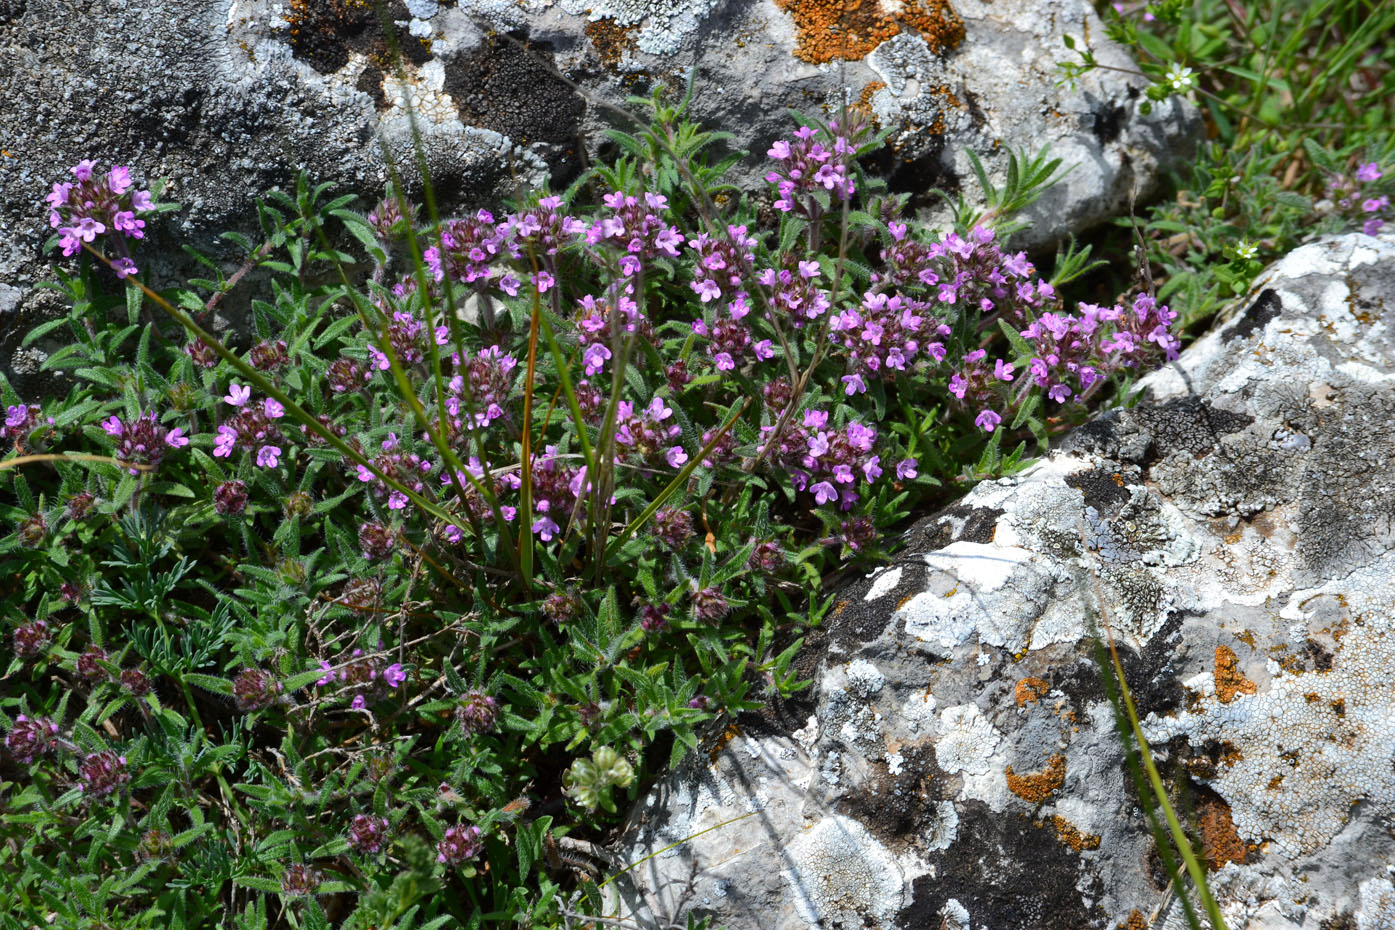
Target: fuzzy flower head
{"type": "Point", "coordinates": [103, 772]}
{"type": "Point", "coordinates": [97, 204]}
{"type": "Point", "coordinates": [31, 737]}
{"type": "Point", "coordinates": [143, 441]}
{"type": "Point", "coordinates": [459, 843]}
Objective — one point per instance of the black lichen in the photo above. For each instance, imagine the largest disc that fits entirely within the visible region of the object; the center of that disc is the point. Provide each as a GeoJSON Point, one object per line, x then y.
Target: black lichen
{"type": "Point", "coordinates": [1007, 870]}
{"type": "Point", "coordinates": [1266, 306]}
{"type": "Point", "coordinates": [511, 85]}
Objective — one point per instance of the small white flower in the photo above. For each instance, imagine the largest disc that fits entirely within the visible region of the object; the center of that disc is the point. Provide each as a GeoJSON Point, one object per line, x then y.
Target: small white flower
{"type": "Point", "coordinates": [1180, 78]}
{"type": "Point", "coordinates": [1246, 249]}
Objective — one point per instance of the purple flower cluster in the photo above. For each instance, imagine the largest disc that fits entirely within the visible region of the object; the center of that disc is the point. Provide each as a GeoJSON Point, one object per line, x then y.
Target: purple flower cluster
{"type": "Point", "coordinates": [98, 204]}
{"type": "Point", "coordinates": [254, 689]}
{"type": "Point", "coordinates": [722, 264]}
{"type": "Point", "coordinates": [20, 419]}
{"type": "Point", "coordinates": [253, 427]}
{"type": "Point", "coordinates": [367, 833]}
{"type": "Point", "coordinates": [805, 167]}
{"type": "Point", "coordinates": [647, 434]}
{"type": "Point", "coordinates": [406, 468]}
{"type": "Point", "coordinates": [407, 337]}
{"type": "Point", "coordinates": [637, 227]}
{"type": "Point", "coordinates": [1075, 352]}
{"type": "Point", "coordinates": [480, 389]}
{"type": "Point", "coordinates": [468, 248]}
{"type": "Point", "coordinates": [477, 712]}
{"type": "Point", "coordinates": [31, 737]}
{"type": "Point", "coordinates": [458, 844]}
{"type": "Point", "coordinates": [794, 290]}
{"type": "Point", "coordinates": [365, 676]}
{"type": "Point", "coordinates": [103, 772]}
{"type": "Point", "coordinates": [594, 322]}
{"type": "Point", "coordinates": [542, 229]}
{"type": "Point", "coordinates": [826, 462]}
{"type": "Point", "coordinates": [1352, 197]}
{"type": "Point", "coordinates": [962, 271]}
{"type": "Point", "coordinates": [143, 441]}
{"type": "Point", "coordinates": [886, 336]}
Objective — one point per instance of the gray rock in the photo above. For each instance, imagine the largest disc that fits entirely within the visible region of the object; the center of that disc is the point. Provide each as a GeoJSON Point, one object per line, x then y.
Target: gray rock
{"type": "Point", "coordinates": [227, 98]}
{"type": "Point", "coordinates": [956, 763]}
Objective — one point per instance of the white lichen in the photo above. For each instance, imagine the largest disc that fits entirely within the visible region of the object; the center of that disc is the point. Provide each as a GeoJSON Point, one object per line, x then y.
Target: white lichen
{"type": "Point", "coordinates": [841, 876]}
{"type": "Point", "coordinates": [883, 584]}
{"type": "Point", "coordinates": [967, 741]}
{"type": "Point", "coordinates": [662, 23]}
{"type": "Point", "coordinates": [1312, 744]}
{"type": "Point", "coordinates": [864, 679]}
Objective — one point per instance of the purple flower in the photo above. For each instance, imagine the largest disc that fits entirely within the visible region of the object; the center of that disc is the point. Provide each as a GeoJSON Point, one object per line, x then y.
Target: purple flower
{"type": "Point", "coordinates": [367, 834]}
{"type": "Point", "coordinates": [824, 492]}
{"type": "Point", "coordinates": [31, 738]}
{"type": "Point", "coordinates": [237, 395]}
{"type": "Point", "coordinates": [987, 420]}
{"type": "Point", "coordinates": [542, 281]}
{"type": "Point", "coordinates": [458, 844]}
{"type": "Point", "coordinates": [906, 468]}
{"type": "Point", "coordinates": [254, 690]}
{"type": "Point", "coordinates": [1371, 227]}
{"type": "Point", "coordinates": [1370, 171]}
{"type": "Point", "coordinates": [103, 772]}
{"type": "Point", "coordinates": [266, 456]}
{"type": "Point", "coordinates": [853, 385]}
{"type": "Point", "coordinates": [707, 289]}
{"type": "Point", "coordinates": [676, 457]}
{"type": "Point", "coordinates": [779, 151]}
{"type": "Point", "coordinates": [273, 409]}
{"type": "Point", "coordinates": [394, 675]}
{"type": "Point", "coordinates": [1001, 370]}
{"type": "Point", "coordinates": [546, 528]}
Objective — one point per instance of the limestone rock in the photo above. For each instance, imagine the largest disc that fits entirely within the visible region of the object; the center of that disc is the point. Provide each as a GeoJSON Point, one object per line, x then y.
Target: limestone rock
{"type": "Point", "coordinates": [227, 98]}
{"type": "Point", "coordinates": [956, 763]}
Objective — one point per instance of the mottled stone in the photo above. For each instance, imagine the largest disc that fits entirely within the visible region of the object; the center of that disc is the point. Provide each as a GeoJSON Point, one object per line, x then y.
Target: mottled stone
{"type": "Point", "coordinates": [1234, 532]}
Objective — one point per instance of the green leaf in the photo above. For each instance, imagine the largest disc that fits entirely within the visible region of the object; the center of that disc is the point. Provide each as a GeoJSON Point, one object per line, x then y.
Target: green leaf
{"type": "Point", "coordinates": [210, 683]}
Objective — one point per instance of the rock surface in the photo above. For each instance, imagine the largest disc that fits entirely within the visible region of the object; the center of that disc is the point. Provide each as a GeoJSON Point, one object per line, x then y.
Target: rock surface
{"type": "Point", "coordinates": [956, 763]}
{"type": "Point", "coordinates": [227, 98]}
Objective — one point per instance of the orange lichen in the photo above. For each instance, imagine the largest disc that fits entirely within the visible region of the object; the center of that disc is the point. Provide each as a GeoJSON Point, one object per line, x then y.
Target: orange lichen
{"type": "Point", "coordinates": [611, 40]}
{"type": "Point", "coordinates": [1070, 834]}
{"type": "Point", "coordinates": [1220, 842]}
{"type": "Point", "coordinates": [1038, 786]}
{"type": "Point", "coordinates": [1136, 921]}
{"type": "Point", "coordinates": [730, 733]}
{"type": "Point", "coordinates": [849, 29]}
{"type": "Point", "coordinates": [1230, 681]}
{"type": "Point", "coordinates": [864, 99]}
{"type": "Point", "coordinates": [1030, 690]}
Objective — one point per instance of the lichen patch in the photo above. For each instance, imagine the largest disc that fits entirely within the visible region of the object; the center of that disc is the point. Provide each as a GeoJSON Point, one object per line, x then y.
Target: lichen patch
{"type": "Point", "coordinates": [1230, 681]}
{"type": "Point", "coordinates": [1029, 690]}
{"type": "Point", "coordinates": [1035, 787]}
{"type": "Point", "coordinates": [849, 29]}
